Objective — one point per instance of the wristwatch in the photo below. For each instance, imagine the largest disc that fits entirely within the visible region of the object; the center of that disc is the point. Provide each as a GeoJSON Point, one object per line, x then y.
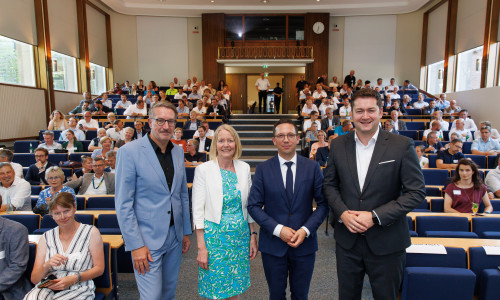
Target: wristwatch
{"type": "Point", "coordinates": [374, 218]}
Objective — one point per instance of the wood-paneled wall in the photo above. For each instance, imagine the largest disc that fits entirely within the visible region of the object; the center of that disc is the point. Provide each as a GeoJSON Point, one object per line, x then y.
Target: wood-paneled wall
{"type": "Point", "coordinates": [213, 38]}
{"type": "Point", "coordinates": [320, 44]}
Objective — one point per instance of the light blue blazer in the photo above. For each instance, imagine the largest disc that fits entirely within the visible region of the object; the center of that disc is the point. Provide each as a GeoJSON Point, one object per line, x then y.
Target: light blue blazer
{"type": "Point", "coordinates": [143, 199]}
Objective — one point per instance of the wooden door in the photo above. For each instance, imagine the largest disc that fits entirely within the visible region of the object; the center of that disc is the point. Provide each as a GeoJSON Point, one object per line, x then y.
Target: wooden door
{"type": "Point", "coordinates": [238, 85]}
{"type": "Point", "coordinates": [290, 99]}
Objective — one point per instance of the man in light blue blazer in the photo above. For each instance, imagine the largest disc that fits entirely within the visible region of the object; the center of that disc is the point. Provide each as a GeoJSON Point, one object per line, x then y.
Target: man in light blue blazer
{"type": "Point", "coordinates": [152, 205]}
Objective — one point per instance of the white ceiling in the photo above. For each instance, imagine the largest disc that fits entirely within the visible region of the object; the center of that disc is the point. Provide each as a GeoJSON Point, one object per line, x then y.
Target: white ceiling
{"type": "Point", "coordinates": [194, 8]}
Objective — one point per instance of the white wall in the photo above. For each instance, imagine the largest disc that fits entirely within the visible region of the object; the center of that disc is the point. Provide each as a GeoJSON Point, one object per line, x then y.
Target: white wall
{"type": "Point", "coordinates": [195, 49]}
{"type": "Point", "coordinates": [482, 104]}
{"type": "Point", "coordinates": [336, 48]}
{"type": "Point", "coordinates": [65, 102]}
{"type": "Point", "coordinates": [162, 48]}
{"type": "Point", "coordinates": [370, 46]}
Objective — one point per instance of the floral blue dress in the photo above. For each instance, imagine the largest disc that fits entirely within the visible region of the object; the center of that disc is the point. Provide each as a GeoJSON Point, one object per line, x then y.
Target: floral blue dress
{"type": "Point", "coordinates": [227, 243]}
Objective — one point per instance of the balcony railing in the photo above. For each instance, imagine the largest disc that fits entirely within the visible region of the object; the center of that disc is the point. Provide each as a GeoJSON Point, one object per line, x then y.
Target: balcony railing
{"type": "Point", "coordinates": [266, 52]}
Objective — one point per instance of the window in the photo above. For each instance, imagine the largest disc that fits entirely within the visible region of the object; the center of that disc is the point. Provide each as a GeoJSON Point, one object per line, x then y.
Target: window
{"type": "Point", "coordinates": [234, 28]}
{"type": "Point", "coordinates": [97, 79]}
{"type": "Point", "coordinates": [16, 62]}
{"type": "Point", "coordinates": [265, 28]}
{"type": "Point", "coordinates": [435, 77]}
{"type": "Point", "coordinates": [469, 69]}
{"type": "Point", "coordinates": [64, 72]}
{"type": "Point", "coordinates": [296, 28]}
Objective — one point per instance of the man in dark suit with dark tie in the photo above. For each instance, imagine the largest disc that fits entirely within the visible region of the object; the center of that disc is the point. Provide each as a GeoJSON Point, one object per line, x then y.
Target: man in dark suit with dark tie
{"type": "Point", "coordinates": [372, 181]}
{"type": "Point", "coordinates": [281, 202]}
{"type": "Point", "coordinates": [330, 122]}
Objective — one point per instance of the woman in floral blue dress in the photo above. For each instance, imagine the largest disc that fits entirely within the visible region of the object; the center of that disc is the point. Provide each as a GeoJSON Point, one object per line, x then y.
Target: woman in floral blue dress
{"type": "Point", "coordinates": [225, 232]}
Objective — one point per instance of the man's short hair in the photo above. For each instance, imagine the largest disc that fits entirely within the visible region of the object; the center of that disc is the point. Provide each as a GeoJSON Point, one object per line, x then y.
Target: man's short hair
{"type": "Point", "coordinates": [98, 102]}
{"type": "Point", "coordinates": [455, 141]}
{"type": "Point", "coordinates": [346, 122]}
{"type": "Point", "coordinates": [367, 93]}
{"type": "Point", "coordinates": [140, 101]}
{"type": "Point", "coordinates": [313, 113]}
{"type": "Point", "coordinates": [486, 128]}
{"type": "Point", "coordinates": [435, 122]}
{"type": "Point", "coordinates": [166, 105]}
{"type": "Point", "coordinates": [6, 164]}
{"type": "Point", "coordinates": [48, 132]}
{"type": "Point", "coordinates": [98, 158]}
{"type": "Point", "coordinates": [379, 79]}
{"type": "Point", "coordinates": [432, 132]}
{"type": "Point", "coordinates": [463, 110]}
{"type": "Point", "coordinates": [7, 154]}
{"type": "Point", "coordinates": [45, 151]}
{"type": "Point", "coordinates": [284, 121]}
{"type": "Point", "coordinates": [111, 153]}
{"type": "Point", "coordinates": [195, 142]}
{"type": "Point", "coordinates": [407, 81]}
{"type": "Point", "coordinates": [486, 123]}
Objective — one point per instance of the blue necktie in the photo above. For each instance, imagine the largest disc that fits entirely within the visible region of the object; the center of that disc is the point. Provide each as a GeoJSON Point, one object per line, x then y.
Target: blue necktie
{"type": "Point", "coordinates": [289, 181]}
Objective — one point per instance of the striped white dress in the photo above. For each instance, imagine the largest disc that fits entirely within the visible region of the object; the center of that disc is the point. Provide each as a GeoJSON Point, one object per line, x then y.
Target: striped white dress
{"type": "Point", "coordinates": [79, 260]}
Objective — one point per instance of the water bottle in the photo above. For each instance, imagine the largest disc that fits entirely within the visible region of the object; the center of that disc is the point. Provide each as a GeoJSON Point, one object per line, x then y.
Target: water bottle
{"type": "Point", "coordinates": [31, 148]}
{"type": "Point", "coordinates": [9, 208]}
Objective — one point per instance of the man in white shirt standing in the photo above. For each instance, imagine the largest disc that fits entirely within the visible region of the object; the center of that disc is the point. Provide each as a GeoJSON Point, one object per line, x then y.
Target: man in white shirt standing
{"type": "Point", "coordinates": [262, 85]}
{"type": "Point", "coordinates": [136, 110]}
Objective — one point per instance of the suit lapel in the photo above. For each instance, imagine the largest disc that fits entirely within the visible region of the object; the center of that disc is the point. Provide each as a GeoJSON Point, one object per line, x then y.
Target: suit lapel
{"type": "Point", "coordinates": [350, 148]}
{"type": "Point", "coordinates": [151, 158]}
{"type": "Point", "coordinates": [380, 147]}
{"type": "Point", "coordinates": [276, 173]}
{"type": "Point", "coordinates": [176, 170]}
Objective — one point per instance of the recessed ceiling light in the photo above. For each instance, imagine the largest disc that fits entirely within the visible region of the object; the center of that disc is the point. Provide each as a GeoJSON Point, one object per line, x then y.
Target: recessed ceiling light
{"type": "Point", "coordinates": [212, 1]}
{"type": "Point", "coordinates": [264, 1]}
{"type": "Point", "coordinates": [318, 0]}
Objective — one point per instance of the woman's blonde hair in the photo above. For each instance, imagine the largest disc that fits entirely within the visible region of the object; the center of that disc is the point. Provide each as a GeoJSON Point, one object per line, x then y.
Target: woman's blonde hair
{"type": "Point", "coordinates": [61, 115]}
{"type": "Point", "coordinates": [56, 170]}
{"type": "Point", "coordinates": [237, 149]}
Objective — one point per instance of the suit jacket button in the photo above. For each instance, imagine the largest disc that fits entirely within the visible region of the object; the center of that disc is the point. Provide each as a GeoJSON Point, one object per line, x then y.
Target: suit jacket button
{"type": "Point", "coordinates": [169, 211]}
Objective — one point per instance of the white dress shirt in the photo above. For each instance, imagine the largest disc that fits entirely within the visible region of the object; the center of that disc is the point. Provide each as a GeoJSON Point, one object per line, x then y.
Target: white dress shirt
{"type": "Point", "coordinates": [284, 169]}
{"type": "Point", "coordinates": [420, 105]}
{"type": "Point", "coordinates": [201, 147]}
{"type": "Point", "coordinates": [345, 111]}
{"type": "Point", "coordinates": [364, 156]}
{"type": "Point", "coordinates": [444, 125]}
{"type": "Point", "coordinates": [318, 95]}
{"type": "Point", "coordinates": [52, 147]}
{"type": "Point", "coordinates": [99, 184]}
{"type": "Point", "coordinates": [19, 194]}
{"type": "Point", "coordinates": [120, 104]}
{"type": "Point", "coordinates": [134, 109]}
{"type": "Point", "coordinates": [262, 84]}
{"type": "Point", "coordinates": [468, 124]}
{"type": "Point", "coordinates": [92, 124]}
{"type": "Point", "coordinates": [18, 169]}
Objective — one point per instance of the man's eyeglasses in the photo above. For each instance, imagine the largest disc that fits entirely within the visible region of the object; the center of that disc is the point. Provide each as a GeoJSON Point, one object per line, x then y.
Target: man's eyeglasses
{"type": "Point", "coordinates": [290, 136]}
{"type": "Point", "coordinates": [161, 122]}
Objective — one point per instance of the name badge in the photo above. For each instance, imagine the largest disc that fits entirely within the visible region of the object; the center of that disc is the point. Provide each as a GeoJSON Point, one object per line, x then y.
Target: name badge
{"type": "Point", "coordinates": [455, 161]}
{"type": "Point", "coordinates": [2, 254]}
{"type": "Point", "coordinates": [457, 192]}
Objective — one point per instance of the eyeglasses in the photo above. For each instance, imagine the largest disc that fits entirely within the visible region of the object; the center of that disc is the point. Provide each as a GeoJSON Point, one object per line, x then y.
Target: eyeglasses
{"type": "Point", "coordinates": [98, 166]}
{"type": "Point", "coordinates": [59, 215]}
{"type": "Point", "coordinates": [161, 122]}
{"type": "Point", "coordinates": [290, 136]}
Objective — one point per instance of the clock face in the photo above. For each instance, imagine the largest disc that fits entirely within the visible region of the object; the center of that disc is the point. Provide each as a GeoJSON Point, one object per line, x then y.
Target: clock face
{"type": "Point", "coordinates": [318, 27]}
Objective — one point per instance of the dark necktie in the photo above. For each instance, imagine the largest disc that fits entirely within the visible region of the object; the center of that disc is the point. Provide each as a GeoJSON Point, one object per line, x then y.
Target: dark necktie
{"type": "Point", "coordinates": [289, 181]}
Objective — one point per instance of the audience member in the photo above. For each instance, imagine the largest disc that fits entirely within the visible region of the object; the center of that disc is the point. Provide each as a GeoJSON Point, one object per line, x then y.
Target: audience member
{"type": "Point", "coordinates": [466, 189]}
{"type": "Point", "coordinates": [163, 97]}
{"type": "Point", "coordinates": [172, 90]}
{"type": "Point", "coordinates": [423, 161]}
{"type": "Point", "coordinates": [117, 90]}
{"type": "Point", "coordinates": [345, 129]}
{"type": "Point", "coordinates": [96, 142]}
{"type": "Point", "coordinates": [350, 79]}
{"type": "Point", "coordinates": [448, 159]}
{"type": "Point", "coordinates": [200, 109]}
{"type": "Point", "coordinates": [493, 179]}
{"type": "Point", "coordinates": [406, 102]}
{"type": "Point", "coordinates": [323, 152]}
{"type": "Point", "coordinates": [188, 86]}
{"type": "Point", "coordinates": [14, 191]}
{"type": "Point", "coordinates": [80, 109]}
{"type": "Point", "coordinates": [194, 94]}
{"type": "Point", "coordinates": [57, 121]}
{"type": "Point", "coordinates": [86, 167]}
{"type": "Point", "coordinates": [469, 123]}
{"type": "Point", "coordinates": [116, 133]}
{"type": "Point", "coordinates": [72, 144]}
{"type": "Point", "coordinates": [301, 84]}
{"type": "Point", "coordinates": [209, 132]}
{"type": "Point", "coordinates": [312, 133]}
{"type": "Point", "coordinates": [393, 94]}
{"type": "Point", "coordinates": [494, 133]}
{"type": "Point", "coordinates": [397, 124]}
{"type": "Point", "coordinates": [177, 139]}
{"type": "Point", "coordinates": [180, 94]}
{"type": "Point", "coordinates": [205, 142]}
{"type": "Point", "coordinates": [106, 143]}
{"type": "Point", "coordinates": [129, 136]}
{"type": "Point", "coordinates": [420, 104]}
{"type": "Point", "coordinates": [322, 81]}
{"type": "Point", "coordinates": [36, 172]}
{"type": "Point", "coordinates": [464, 134]}
{"type": "Point", "coordinates": [192, 157]}
{"type": "Point", "coordinates": [429, 110]}
{"type": "Point", "coordinates": [397, 107]}
{"type": "Point", "coordinates": [6, 156]}
{"type": "Point", "coordinates": [379, 84]}
{"type": "Point", "coordinates": [320, 143]}
{"type": "Point", "coordinates": [110, 121]}
{"type": "Point", "coordinates": [136, 110]}
{"type": "Point", "coordinates": [153, 87]}
{"type": "Point", "coordinates": [141, 86]}
{"type": "Point", "coordinates": [135, 91]}
{"type": "Point", "coordinates": [49, 144]}
{"type": "Point", "coordinates": [15, 255]}
{"type": "Point", "coordinates": [389, 127]}
{"type": "Point", "coordinates": [334, 83]}
{"type": "Point", "coordinates": [326, 103]}
{"type": "Point", "coordinates": [79, 134]}
{"type": "Point", "coordinates": [182, 110]}
{"type": "Point", "coordinates": [453, 109]}
{"type": "Point", "coordinates": [55, 177]}
{"type": "Point", "coordinates": [309, 107]}
{"type": "Point", "coordinates": [149, 98]}
{"type": "Point", "coordinates": [139, 131]}
{"type": "Point", "coordinates": [435, 127]}
{"type": "Point", "coordinates": [432, 144]}
{"type": "Point", "coordinates": [88, 123]}
{"type": "Point", "coordinates": [100, 109]}
{"type": "Point", "coordinates": [312, 120]}
{"type": "Point", "coordinates": [319, 93]}
{"type": "Point", "coordinates": [330, 121]}
{"type": "Point", "coordinates": [216, 110]}
{"type": "Point", "coordinates": [438, 116]}
{"type": "Point", "coordinates": [106, 101]}
{"type": "Point", "coordinates": [442, 103]}
{"type": "Point", "coordinates": [392, 85]}
{"type": "Point", "coordinates": [408, 86]}
{"type": "Point", "coordinates": [111, 161]}
{"type": "Point", "coordinates": [346, 110]}
{"type": "Point", "coordinates": [123, 103]}
{"type": "Point", "coordinates": [99, 183]}
{"type": "Point", "coordinates": [193, 123]}
{"type": "Point", "coordinates": [485, 145]}
{"type": "Point", "coordinates": [74, 267]}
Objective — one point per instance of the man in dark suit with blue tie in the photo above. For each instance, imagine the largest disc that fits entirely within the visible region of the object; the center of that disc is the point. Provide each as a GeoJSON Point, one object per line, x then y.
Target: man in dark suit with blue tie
{"type": "Point", "coordinates": [281, 202]}
{"type": "Point", "coordinates": [372, 180]}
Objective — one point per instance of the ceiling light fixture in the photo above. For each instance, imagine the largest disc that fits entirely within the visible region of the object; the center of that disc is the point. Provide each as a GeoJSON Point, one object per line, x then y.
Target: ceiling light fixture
{"type": "Point", "coordinates": [264, 1]}
{"type": "Point", "coordinates": [212, 1]}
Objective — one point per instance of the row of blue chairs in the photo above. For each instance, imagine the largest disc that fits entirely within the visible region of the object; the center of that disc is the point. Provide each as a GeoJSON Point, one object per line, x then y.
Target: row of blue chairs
{"type": "Point", "coordinates": [447, 276]}
{"type": "Point", "coordinates": [440, 176]}
{"type": "Point", "coordinates": [82, 202]}
{"type": "Point", "coordinates": [437, 205]}
{"type": "Point", "coordinates": [454, 227]}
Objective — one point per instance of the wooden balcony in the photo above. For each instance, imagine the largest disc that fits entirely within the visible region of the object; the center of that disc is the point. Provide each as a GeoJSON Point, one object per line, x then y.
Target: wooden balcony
{"type": "Point", "coordinates": [266, 52]}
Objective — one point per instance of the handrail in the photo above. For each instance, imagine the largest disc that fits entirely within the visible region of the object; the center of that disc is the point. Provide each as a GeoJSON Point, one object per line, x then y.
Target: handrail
{"type": "Point", "coordinates": [427, 94]}
{"type": "Point", "coordinates": [266, 52]}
